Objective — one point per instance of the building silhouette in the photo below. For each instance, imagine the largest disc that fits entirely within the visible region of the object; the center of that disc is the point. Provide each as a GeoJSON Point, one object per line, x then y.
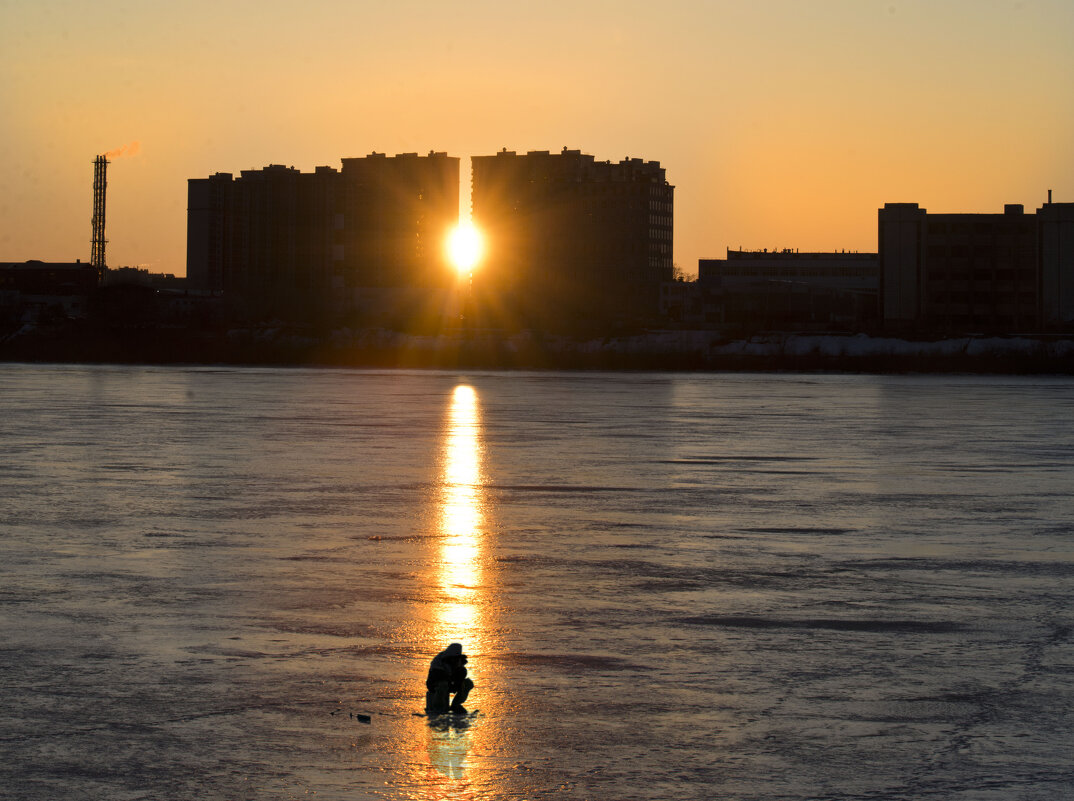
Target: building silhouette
{"type": "Point", "coordinates": [278, 242]}
{"type": "Point", "coordinates": [571, 242]}
{"type": "Point", "coordinates": [1055, 253]}
{"type": "Point", "coordinates": [977, 273]}
{"type": "Point", "coordinates": [789, 290]}
{"type": "Point", "coordinates": [34, 290]}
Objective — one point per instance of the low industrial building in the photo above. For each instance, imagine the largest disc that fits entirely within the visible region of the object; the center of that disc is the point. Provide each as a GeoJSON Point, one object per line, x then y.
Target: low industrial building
{"type": "Point", "coordinates": [35, 290]}
{"type": "Point", "coordinates": [788, 290]}
{"type": "Point", "coordinates": [977, 273]}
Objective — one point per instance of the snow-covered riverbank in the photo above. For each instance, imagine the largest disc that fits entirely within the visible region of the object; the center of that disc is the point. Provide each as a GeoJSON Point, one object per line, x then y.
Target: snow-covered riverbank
{"type": "Point", "coordinates": [651, 350]}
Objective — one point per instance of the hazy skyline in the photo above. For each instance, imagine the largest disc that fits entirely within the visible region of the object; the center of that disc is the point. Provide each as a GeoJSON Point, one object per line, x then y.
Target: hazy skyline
{"type": "Point", "coordinates": [782, 124]}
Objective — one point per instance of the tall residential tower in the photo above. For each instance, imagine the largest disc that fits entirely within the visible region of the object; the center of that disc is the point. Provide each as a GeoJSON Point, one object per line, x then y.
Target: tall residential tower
{"type": "Point", "coordinates": [280, 242]}
{"type": "Point", "coordinates": [569, 240]}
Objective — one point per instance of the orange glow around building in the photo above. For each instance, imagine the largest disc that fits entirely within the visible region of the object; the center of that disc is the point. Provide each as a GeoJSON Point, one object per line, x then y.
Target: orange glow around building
{"type": "Point", "coordinates": [791, 132]}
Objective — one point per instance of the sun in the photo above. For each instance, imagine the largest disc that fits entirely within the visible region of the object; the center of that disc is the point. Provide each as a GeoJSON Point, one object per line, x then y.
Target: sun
{"type": "Point", "coordinates": [464, 247]}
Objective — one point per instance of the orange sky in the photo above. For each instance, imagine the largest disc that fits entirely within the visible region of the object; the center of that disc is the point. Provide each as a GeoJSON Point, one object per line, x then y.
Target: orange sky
{"type": "Point", "coordinates": [782, 123]}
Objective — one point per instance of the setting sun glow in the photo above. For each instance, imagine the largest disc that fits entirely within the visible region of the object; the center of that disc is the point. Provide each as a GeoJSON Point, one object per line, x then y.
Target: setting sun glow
{"type": "Point", "coordinates": [464, 247]}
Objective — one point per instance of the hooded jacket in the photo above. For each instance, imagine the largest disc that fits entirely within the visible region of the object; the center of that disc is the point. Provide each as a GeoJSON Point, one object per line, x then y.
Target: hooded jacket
{"type": "Point", "coordinates": [446, 666]}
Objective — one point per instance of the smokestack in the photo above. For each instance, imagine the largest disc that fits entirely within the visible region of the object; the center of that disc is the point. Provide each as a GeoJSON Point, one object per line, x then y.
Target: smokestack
{"type": "Point", "coordinates": [1049, 195]}
{"type": "Point", "coordinates": [100, 182]}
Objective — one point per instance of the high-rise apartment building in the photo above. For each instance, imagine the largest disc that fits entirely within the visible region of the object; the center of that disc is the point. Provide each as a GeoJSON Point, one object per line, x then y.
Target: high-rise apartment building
{"type": "Point", "coordinates": [571, 240]}
{"type": "Point", "coordinates": [280, 242]}
{"type": "Point", "coordinates": [397, 213]}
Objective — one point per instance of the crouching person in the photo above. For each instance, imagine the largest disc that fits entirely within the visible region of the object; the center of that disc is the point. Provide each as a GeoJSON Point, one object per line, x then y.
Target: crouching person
{"type": "Point", "coordinates": [447, 678]}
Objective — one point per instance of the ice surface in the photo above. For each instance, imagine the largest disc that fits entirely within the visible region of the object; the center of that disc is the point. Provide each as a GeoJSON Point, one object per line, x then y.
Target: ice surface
{"type": "Point", "coordinates": [670, 587]}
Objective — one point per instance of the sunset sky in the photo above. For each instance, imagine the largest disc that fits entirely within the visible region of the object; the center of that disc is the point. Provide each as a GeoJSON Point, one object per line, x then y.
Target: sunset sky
{"type": "Point", "coordinates": [782, 123]}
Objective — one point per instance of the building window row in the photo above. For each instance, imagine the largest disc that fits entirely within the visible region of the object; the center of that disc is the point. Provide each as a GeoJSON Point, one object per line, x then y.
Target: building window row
{"type": "Point", "coordinates": [1027, 299]}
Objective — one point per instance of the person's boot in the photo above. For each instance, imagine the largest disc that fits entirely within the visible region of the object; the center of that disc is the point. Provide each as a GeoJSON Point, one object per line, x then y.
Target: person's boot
{"type": "Point", "coordinates": [436, 701]}
{"type": "Point", "coordinates": [460, 695]}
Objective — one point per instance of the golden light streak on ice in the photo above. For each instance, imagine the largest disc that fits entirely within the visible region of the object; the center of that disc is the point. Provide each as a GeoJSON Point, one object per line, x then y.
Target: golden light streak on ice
{"type": "Point", "coordinates": [458, 615]}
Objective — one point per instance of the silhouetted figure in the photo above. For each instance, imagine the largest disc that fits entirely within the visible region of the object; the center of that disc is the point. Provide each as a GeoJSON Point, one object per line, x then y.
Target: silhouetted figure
{"type": "Point", "coordinates": [447, 677]}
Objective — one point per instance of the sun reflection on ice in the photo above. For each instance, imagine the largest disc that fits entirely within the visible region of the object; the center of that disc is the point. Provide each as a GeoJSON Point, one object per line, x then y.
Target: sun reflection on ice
{"type": "Point", "coordinates": [460, 604]}
{"type": "Point", "coordinates": [458, 615]}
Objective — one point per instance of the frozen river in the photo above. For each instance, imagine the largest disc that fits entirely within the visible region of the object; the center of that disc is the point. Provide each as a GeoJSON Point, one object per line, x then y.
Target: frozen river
{"type": "Point", "coordinates": [670, 586]}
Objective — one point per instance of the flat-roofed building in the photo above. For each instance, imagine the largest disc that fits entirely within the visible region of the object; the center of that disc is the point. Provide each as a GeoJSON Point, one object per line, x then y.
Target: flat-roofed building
{"type": "Point", "coordinates": [964, 273]}
{"type": "Point", "coordinates": [842, 270]}
{"type": "Point", "coordinates": [788, 289]}
{"type": "Point", "coordinates": [265, 239]}
{"type": "Point", "coordinates": [1055, 248]}
{"type": "Point", "coordinates": [33, 287]}
{"type": "Point", "coordinates": [280, 242]}
{"type": "Point", "coordinates": [397, 213]}
{"type": "Point", "coordinates": [571, 241]}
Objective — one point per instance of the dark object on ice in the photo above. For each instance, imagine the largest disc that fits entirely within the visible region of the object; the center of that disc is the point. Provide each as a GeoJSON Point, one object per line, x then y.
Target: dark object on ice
{"type": "Point", "coordinates": [364, 718]}
{"type": "Point", "coordinates": [447, 677]}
